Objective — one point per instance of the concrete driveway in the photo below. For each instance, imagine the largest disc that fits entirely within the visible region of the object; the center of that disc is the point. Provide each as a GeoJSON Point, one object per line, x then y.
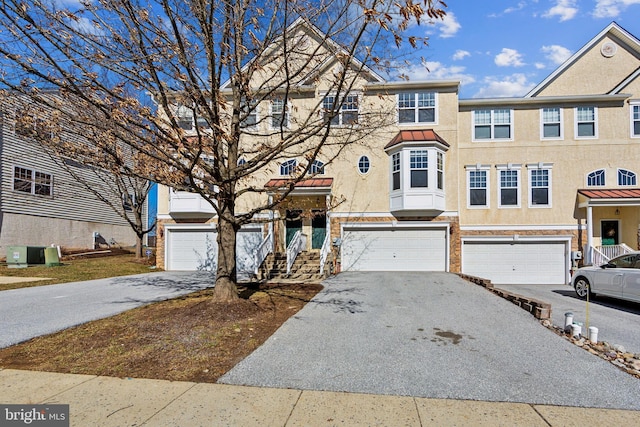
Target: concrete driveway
{"type": "Point", "coordinates": [430, 335]}
{"type": "Point", "coordinates": [30, 312]}
{"type": "Point", "coordinates": [618, 321]}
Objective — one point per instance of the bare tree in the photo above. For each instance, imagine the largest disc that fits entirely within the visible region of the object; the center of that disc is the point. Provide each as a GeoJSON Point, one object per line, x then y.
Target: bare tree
{"type": "Point", "coordinates": [214, 63]}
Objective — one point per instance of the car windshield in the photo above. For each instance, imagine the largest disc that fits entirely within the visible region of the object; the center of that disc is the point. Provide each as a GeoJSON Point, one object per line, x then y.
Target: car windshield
{"type": "Point", "coordinates": [625, 261]}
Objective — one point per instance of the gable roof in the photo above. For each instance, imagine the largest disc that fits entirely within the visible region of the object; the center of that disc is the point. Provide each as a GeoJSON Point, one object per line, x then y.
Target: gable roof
{"type": "Point", "coordinates": [331, 59]}
{"type": "Point", "coordinates": [612, 29]}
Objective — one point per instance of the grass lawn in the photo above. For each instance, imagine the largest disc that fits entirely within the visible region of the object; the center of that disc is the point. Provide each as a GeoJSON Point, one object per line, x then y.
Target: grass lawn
{"type": "Point", "coordinates": [190, 338]}
{"type": "Point", "coordinates": [77, 269]}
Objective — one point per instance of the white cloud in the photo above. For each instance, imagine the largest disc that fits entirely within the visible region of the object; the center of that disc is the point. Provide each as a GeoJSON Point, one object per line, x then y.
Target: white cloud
{"type": "Point", "coordinates": [556, 54]}
{"type": "Point", "coordinates": [539, 65]}
{"type": "Point", "coordinates": [565, 9]}
{"type": "Point", "coordinates": [438, 71]}
{"type": "Point", "coordinates": [514, 85]}
{"type": "Point", "coordinates": [612, 8]}
{"type": "Point", "coordinates": [509, 58]}
{"type": "Point", "coordinates": [448, 26]}
{"type": "Point", "coordinates": [460, 54]}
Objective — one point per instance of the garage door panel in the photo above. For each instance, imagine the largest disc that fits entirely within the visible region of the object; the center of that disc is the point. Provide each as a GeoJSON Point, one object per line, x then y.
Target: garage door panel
{"type": "Point", "coordinates": [197, 250]}
{"type": "Point", "coordinates": [192, 250]}
{"type": "Point", "coordinates": [516, 263]}
{"type": "Point", "coordinates": [394, 249]}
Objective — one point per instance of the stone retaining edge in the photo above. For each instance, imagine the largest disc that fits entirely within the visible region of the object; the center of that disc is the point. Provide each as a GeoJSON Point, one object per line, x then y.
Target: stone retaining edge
{"type": "Point", "coordinates": [539, 309]}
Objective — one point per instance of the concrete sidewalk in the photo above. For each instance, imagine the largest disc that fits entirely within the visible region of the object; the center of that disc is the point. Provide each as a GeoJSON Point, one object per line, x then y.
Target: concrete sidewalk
{"type": "Point", "coordinates": [106, 401]}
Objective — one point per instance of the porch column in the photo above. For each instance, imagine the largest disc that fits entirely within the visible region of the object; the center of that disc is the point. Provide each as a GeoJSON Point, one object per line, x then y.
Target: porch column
{"type": "Point", "coordinates": [589, 234]}
{"type": "Point", "coordinates": [270, 226]}
{"type": "Point", "coordinates": [326, 217]}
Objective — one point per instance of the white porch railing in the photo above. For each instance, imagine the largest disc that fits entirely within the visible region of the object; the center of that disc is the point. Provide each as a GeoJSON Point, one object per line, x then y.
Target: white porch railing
{"type": "Point", "coordinates": [600, 255]}
{"type": "Point", "coordinates": [296, 246]}
{"type": "Point", "coordinates": [324, 252]}
{"type": "Point", "coordinates": [264, 249]}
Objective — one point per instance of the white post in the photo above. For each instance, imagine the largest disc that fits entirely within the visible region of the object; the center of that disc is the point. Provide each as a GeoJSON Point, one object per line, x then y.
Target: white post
{"type": "Point", "coordinates": [589, 234]}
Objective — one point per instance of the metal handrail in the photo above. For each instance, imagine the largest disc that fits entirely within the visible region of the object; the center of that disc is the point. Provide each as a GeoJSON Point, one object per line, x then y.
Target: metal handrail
{"type": "Point", "coordinates": [295, 247]}
{"type": "Point", "coordinates": [263, 250]}
{"type": "Point", "coordinates": [324, 252]}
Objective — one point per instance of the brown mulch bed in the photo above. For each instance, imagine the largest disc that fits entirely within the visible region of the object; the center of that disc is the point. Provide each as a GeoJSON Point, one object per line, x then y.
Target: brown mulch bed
{"type": "Point", "coordinates": [188, 339]}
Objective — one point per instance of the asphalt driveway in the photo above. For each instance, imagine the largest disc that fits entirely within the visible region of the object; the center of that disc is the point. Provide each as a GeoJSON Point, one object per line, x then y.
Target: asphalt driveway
{"type": "Point", "coordinates": [618, 321]}
{"type": "Point", "coordinates": [30, 312]}
{"type": "Point", "coordinates": [430, 335]}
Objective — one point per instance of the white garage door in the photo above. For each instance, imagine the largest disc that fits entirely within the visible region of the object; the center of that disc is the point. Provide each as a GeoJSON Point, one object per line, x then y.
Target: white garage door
{"type": "Point", "coordinates": [197, 250]}
{"type": "Point", "coordinates": [399, 249]}
{"type": "Point", "coordinates": [516, 263]}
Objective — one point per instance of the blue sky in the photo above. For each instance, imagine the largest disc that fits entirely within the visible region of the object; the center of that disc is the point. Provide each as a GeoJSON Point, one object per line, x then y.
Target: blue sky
{"type": "Point", "coordinates": [504, 48]}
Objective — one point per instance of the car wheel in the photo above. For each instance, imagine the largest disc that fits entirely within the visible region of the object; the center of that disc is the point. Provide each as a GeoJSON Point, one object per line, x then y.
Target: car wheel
{"type": "Point", "coordinates": [583, 288]}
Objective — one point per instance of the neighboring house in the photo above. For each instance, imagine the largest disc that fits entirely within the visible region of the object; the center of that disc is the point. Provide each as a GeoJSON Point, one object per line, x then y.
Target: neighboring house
{"type": "Point", "coordinates": [42, 204]}
{"type": "Point", "coordinates": [504, 188]}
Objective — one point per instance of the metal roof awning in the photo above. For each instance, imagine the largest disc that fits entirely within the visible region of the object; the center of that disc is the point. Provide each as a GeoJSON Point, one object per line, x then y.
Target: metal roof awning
{"type": "Point", "coordinates": [605, 197]}
{"type": "Point", "coordinates": [302, 187]}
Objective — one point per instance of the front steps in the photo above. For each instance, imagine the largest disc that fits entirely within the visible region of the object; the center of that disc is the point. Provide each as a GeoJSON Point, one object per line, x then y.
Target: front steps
{"type": "Point", "coordinates": [305, 269]}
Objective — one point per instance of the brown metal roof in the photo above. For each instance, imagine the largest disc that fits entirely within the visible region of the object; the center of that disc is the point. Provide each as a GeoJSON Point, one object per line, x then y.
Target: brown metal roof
{"type": "Point", "coordinates": [416, 135]}
{"type": "Point", "coordinates": [305, 183]}
{"type": "Point", "coordinates": [619, 193]}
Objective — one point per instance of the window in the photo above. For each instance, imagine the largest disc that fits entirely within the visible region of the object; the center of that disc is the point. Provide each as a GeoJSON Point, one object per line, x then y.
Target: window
{"type": "Point", "coordinates": [347, 113]}
{"type": "Point", "coordinates": [539, 185]}
{"type": "Point", "coordinates": [509, 190]}
{"type": "Point", "coordinates": [185, 115]}
{"type": "Point", "coordinates": [626, 177]}
{"type": "Point", "coordinates": [492, 124]}
{"type": "Point", "coordinates": [32, 182]}
{"type": "Point", "coordinates": [419, 167]}
{"type": "Point", "coordinates": [596, 178]}
{"type": "Point", "coordinates": [440, 170]}
{"type": "Point", "coordinates": [586, 122]}
{"type": "Point", "coordinates": [317, 168]}
{"type": "Point", "coordinates": [128, 201]}
{"type": "Point", "coordinates": [635, 120]}
{"type": "Point", "coordinates": [242, 161]}
{"type": "Point", "coordinates": [395, 170]}
{"type": "Point", "coordinates": [477, 187]}
{"type": "Point", "coordinates": [363, 164]}
{"type": "Point", "coordinates": [417, 107]}
{"type": "Point", "coordinates": [279, 114]}
{"type": "Point", "coordinates": [288, 167]}
{"type": "Point", "coordinates": [249, 115]}
{"type": "Point", "coordinates": [551, 123]}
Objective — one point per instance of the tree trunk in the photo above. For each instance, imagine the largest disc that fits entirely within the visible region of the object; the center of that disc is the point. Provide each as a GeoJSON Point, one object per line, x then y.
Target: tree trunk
{"type": "Point", "coordinates": [226, 289]}
{"type": "Point", "coordinates": [138, 246]}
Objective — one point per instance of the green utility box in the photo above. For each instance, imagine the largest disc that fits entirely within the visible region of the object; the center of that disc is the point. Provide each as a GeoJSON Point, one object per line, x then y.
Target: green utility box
{"type": "Point", "coordinates": [23, 256]}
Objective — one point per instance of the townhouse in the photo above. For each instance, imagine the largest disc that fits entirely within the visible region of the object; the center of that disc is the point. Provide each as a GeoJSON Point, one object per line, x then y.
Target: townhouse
{"type": "Point", "coordinates": [517, 190]}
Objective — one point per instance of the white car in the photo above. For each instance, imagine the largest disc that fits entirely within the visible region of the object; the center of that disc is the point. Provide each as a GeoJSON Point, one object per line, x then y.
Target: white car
{"type": "Point", "coordinates": [619, 278]}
